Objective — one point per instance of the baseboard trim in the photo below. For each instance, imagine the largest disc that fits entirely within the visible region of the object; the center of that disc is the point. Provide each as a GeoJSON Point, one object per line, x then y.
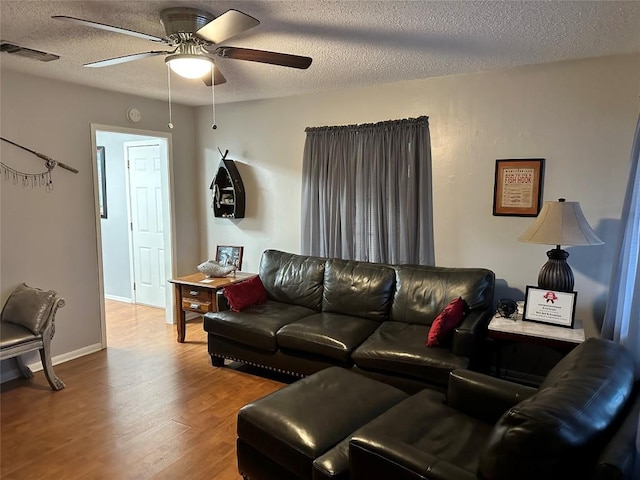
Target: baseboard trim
{"type": "Point", "coordinates": [118, 299]}
{"type": "Point", "coordinates": [65, 357]}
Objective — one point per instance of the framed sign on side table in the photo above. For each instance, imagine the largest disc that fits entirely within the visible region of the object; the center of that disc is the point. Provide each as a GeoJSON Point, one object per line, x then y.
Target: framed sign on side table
{"type": "Point", "coordinates": [550, 306]}
{"type": "Point", "coordinates": [517, 190]}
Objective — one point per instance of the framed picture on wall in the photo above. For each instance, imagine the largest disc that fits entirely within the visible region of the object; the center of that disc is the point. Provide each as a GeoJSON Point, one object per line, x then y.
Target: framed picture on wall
{"type": "Point", "coordinates": [517, 189]}
{"type": "Point", "coordinates": [102, 181]}
{"type": "Point", "coordinates": [229, 255]}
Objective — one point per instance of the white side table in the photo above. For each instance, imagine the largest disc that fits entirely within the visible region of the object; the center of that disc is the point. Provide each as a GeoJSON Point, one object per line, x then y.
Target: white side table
{"type": "Point", "coordinates": [563, 338]}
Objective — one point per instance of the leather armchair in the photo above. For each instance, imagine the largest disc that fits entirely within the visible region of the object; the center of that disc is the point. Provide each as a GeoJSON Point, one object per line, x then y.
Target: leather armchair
{"type": "Point", "coordinates": [579, 424]}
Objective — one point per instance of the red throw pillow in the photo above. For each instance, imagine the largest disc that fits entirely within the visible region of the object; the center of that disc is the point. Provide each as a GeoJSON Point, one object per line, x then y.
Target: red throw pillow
{"type": "Point", "coordinates": [242, 295]}
{"type": "Point", "coordinates": [444, 323]}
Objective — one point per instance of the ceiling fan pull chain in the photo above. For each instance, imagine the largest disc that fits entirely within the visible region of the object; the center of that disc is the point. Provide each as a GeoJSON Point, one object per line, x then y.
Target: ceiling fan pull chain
{"type": "Point", "coordinates": [213, 98]}
{"type": "Point", "coordinates": [170, 125]}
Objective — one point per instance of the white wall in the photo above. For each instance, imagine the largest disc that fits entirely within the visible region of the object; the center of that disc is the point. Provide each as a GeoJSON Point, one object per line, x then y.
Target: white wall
{"type": "Point", "coordinates": [49, 239]}
{"type": "Point", "coordinates": [580, 116]}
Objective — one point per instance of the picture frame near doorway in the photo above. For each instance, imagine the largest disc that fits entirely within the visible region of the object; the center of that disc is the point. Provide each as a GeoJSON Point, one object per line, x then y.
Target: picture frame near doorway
{"type": "Point", "coordinates": [229, 255]}
{"type": "Point", "coordinates": [102, 181]}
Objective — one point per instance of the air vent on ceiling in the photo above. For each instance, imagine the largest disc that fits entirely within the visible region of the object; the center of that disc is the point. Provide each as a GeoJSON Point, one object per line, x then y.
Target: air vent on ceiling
{"type": "Point", "coordinates": [27, 52]}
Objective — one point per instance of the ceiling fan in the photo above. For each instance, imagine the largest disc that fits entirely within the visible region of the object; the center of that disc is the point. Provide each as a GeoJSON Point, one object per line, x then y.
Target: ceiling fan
{"type": "Point", "coordinates": [194, 35]}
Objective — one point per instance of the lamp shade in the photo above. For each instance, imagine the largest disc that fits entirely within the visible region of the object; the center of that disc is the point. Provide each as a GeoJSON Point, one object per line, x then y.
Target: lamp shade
{"type": "Point", "coordinates": [189, 66]}
{"type": "Point", "coordinates": [561, 223]}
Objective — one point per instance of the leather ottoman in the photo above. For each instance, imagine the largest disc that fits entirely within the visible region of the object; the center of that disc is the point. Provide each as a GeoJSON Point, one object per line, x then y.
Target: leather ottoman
{"type": "Point", "coordinates": [302, 431]}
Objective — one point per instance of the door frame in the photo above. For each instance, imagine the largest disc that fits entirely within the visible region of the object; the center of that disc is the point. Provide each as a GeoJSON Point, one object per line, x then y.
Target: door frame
{"type": "Point", "coordinates": [170, 252]}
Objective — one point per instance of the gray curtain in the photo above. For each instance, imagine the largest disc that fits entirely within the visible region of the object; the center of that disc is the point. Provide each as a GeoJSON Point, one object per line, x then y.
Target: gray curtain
{"type": "Point", "coordinates": [366, 192]}
{"type": "Point", "coordinates": [622, 317]}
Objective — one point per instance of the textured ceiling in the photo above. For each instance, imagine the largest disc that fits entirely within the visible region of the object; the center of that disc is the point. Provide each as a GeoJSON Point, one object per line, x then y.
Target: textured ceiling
{"type": "Point", "coordinates": [352, 43]}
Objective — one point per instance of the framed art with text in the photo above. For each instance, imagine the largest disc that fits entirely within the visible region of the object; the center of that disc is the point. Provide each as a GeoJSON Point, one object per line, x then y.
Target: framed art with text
{"type": "Point", "coordinates": [549, 306]}
{"type": "Point", "coordinates": [517, 189]}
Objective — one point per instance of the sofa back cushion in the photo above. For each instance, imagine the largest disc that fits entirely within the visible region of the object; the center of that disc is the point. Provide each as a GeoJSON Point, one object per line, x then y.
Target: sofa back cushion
{"type": "Point", "coordinates": [423, 292]}
{"type": "Point", "coordinates": [360, 289]}
{"type": "Point", "coordinates": [293, 279]}
{"type": "Point", "coordinates": [557, 432]}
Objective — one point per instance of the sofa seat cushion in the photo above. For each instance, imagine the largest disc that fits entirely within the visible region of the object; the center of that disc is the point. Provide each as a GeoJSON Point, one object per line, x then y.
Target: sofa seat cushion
{"type": "Point", "coordinates": [255, 326]}
{"type": "Point", "coordinates": [420, 434]}
{"type": "Point", "coordinates": [398, 348]}
{"type": "Point", "coordinates": [302, 421]}
{"type": "Point", "coordinates": [328, 334]}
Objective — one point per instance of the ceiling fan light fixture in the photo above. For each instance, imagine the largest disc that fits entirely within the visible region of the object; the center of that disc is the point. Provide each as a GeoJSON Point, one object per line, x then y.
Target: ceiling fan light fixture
{"type": "Point", "coordinates": [189, 66]}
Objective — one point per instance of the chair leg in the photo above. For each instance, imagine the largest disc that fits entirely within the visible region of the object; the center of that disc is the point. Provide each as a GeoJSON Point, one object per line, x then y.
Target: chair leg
{"type": "Point", "coordinates": [22, 367]}
{"type": "Point", "coordinates": [45, 356]}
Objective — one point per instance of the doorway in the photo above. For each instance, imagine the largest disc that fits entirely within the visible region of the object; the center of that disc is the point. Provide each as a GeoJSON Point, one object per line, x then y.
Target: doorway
{"type": "Point", "coordinates": [135, 233]}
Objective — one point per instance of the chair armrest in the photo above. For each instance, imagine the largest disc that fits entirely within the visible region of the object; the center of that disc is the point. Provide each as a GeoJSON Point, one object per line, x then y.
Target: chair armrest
{"type": "Point", "coordinates": [619, 454]}
{"type": "Point", "coordinates": [470, 332]}
{"type": "Point", "coordinates": [483, 397]}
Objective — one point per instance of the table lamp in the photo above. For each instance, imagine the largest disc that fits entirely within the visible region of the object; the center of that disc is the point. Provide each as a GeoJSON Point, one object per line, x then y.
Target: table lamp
{"type": "Point", "coordinates": [559, 223]}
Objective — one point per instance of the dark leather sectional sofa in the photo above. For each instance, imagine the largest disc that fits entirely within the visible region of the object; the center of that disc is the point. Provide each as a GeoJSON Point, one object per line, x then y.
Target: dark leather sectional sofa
{"type": "Point", "coordinates": [369, 317]}
{"type": "Point", "coordinates": [580, 424]}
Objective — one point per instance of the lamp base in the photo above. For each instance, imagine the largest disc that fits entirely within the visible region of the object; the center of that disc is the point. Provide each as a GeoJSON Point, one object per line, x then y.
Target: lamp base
{"type": "Point", "coordinates": [556, 274]}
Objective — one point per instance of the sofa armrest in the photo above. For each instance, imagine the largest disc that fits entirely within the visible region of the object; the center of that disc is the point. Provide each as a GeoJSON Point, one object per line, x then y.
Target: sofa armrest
{"type": "Point", "coordinates": [389, 458]}
{"type": "Point", "coordinates": [483, 397]}
{"type": "Point", "coordinates": [470, 332]}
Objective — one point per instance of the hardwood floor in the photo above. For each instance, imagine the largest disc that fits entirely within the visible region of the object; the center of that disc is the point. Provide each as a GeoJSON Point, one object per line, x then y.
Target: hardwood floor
{"type": "Point", "coordinates": [147, 407]}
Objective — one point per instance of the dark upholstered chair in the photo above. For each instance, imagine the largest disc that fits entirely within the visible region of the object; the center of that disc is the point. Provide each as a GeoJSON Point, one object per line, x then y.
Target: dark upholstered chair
{"type": "Point", "coordinates": [27, 323]}
{"type": "Point", "coordinates": [580, 424]}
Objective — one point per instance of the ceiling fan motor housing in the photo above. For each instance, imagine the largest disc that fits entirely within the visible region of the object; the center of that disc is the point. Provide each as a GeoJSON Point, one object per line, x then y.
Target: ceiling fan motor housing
{"type": "Point", "coordinates": [179, 20]}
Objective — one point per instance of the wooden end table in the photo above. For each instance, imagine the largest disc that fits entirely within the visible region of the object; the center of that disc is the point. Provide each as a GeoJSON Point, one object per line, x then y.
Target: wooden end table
{"type": "Point", "coordinates": [197, 293]}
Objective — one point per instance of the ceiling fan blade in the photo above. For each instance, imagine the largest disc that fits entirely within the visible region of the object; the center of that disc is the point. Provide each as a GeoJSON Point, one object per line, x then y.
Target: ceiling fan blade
{"type": "Point", "coordinates": [263, 56]}
{"type": "Point", "coordinates": [110, 28]}
{"type": "Point", "coordinates": [125, 58]}
{"type": "Point", "coordinates": [217, 76]}
{"type": "Point", "coordinates": [227, 25]}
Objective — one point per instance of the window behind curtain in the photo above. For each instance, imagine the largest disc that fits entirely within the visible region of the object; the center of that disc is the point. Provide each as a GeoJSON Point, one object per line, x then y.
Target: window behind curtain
{"type": "Point", "coordinates": [366, 192]}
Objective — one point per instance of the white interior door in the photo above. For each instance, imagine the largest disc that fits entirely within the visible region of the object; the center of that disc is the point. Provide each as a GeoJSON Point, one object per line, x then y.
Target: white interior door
{"type": "Point", "coordinates": [147, 225]}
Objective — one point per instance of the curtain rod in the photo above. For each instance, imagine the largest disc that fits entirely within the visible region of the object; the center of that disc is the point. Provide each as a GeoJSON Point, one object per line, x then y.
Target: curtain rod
{"type": "Point", "coordinates": [421, 119]}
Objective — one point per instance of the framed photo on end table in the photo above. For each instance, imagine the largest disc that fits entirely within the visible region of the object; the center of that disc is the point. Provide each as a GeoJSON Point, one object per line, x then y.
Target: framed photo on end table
{"type": "Point", "coordinates": [517, 191]}
{"type": "Point", "coordinates": [229, 255]}
{"type": "Point", "coordinates": [549, 306]}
